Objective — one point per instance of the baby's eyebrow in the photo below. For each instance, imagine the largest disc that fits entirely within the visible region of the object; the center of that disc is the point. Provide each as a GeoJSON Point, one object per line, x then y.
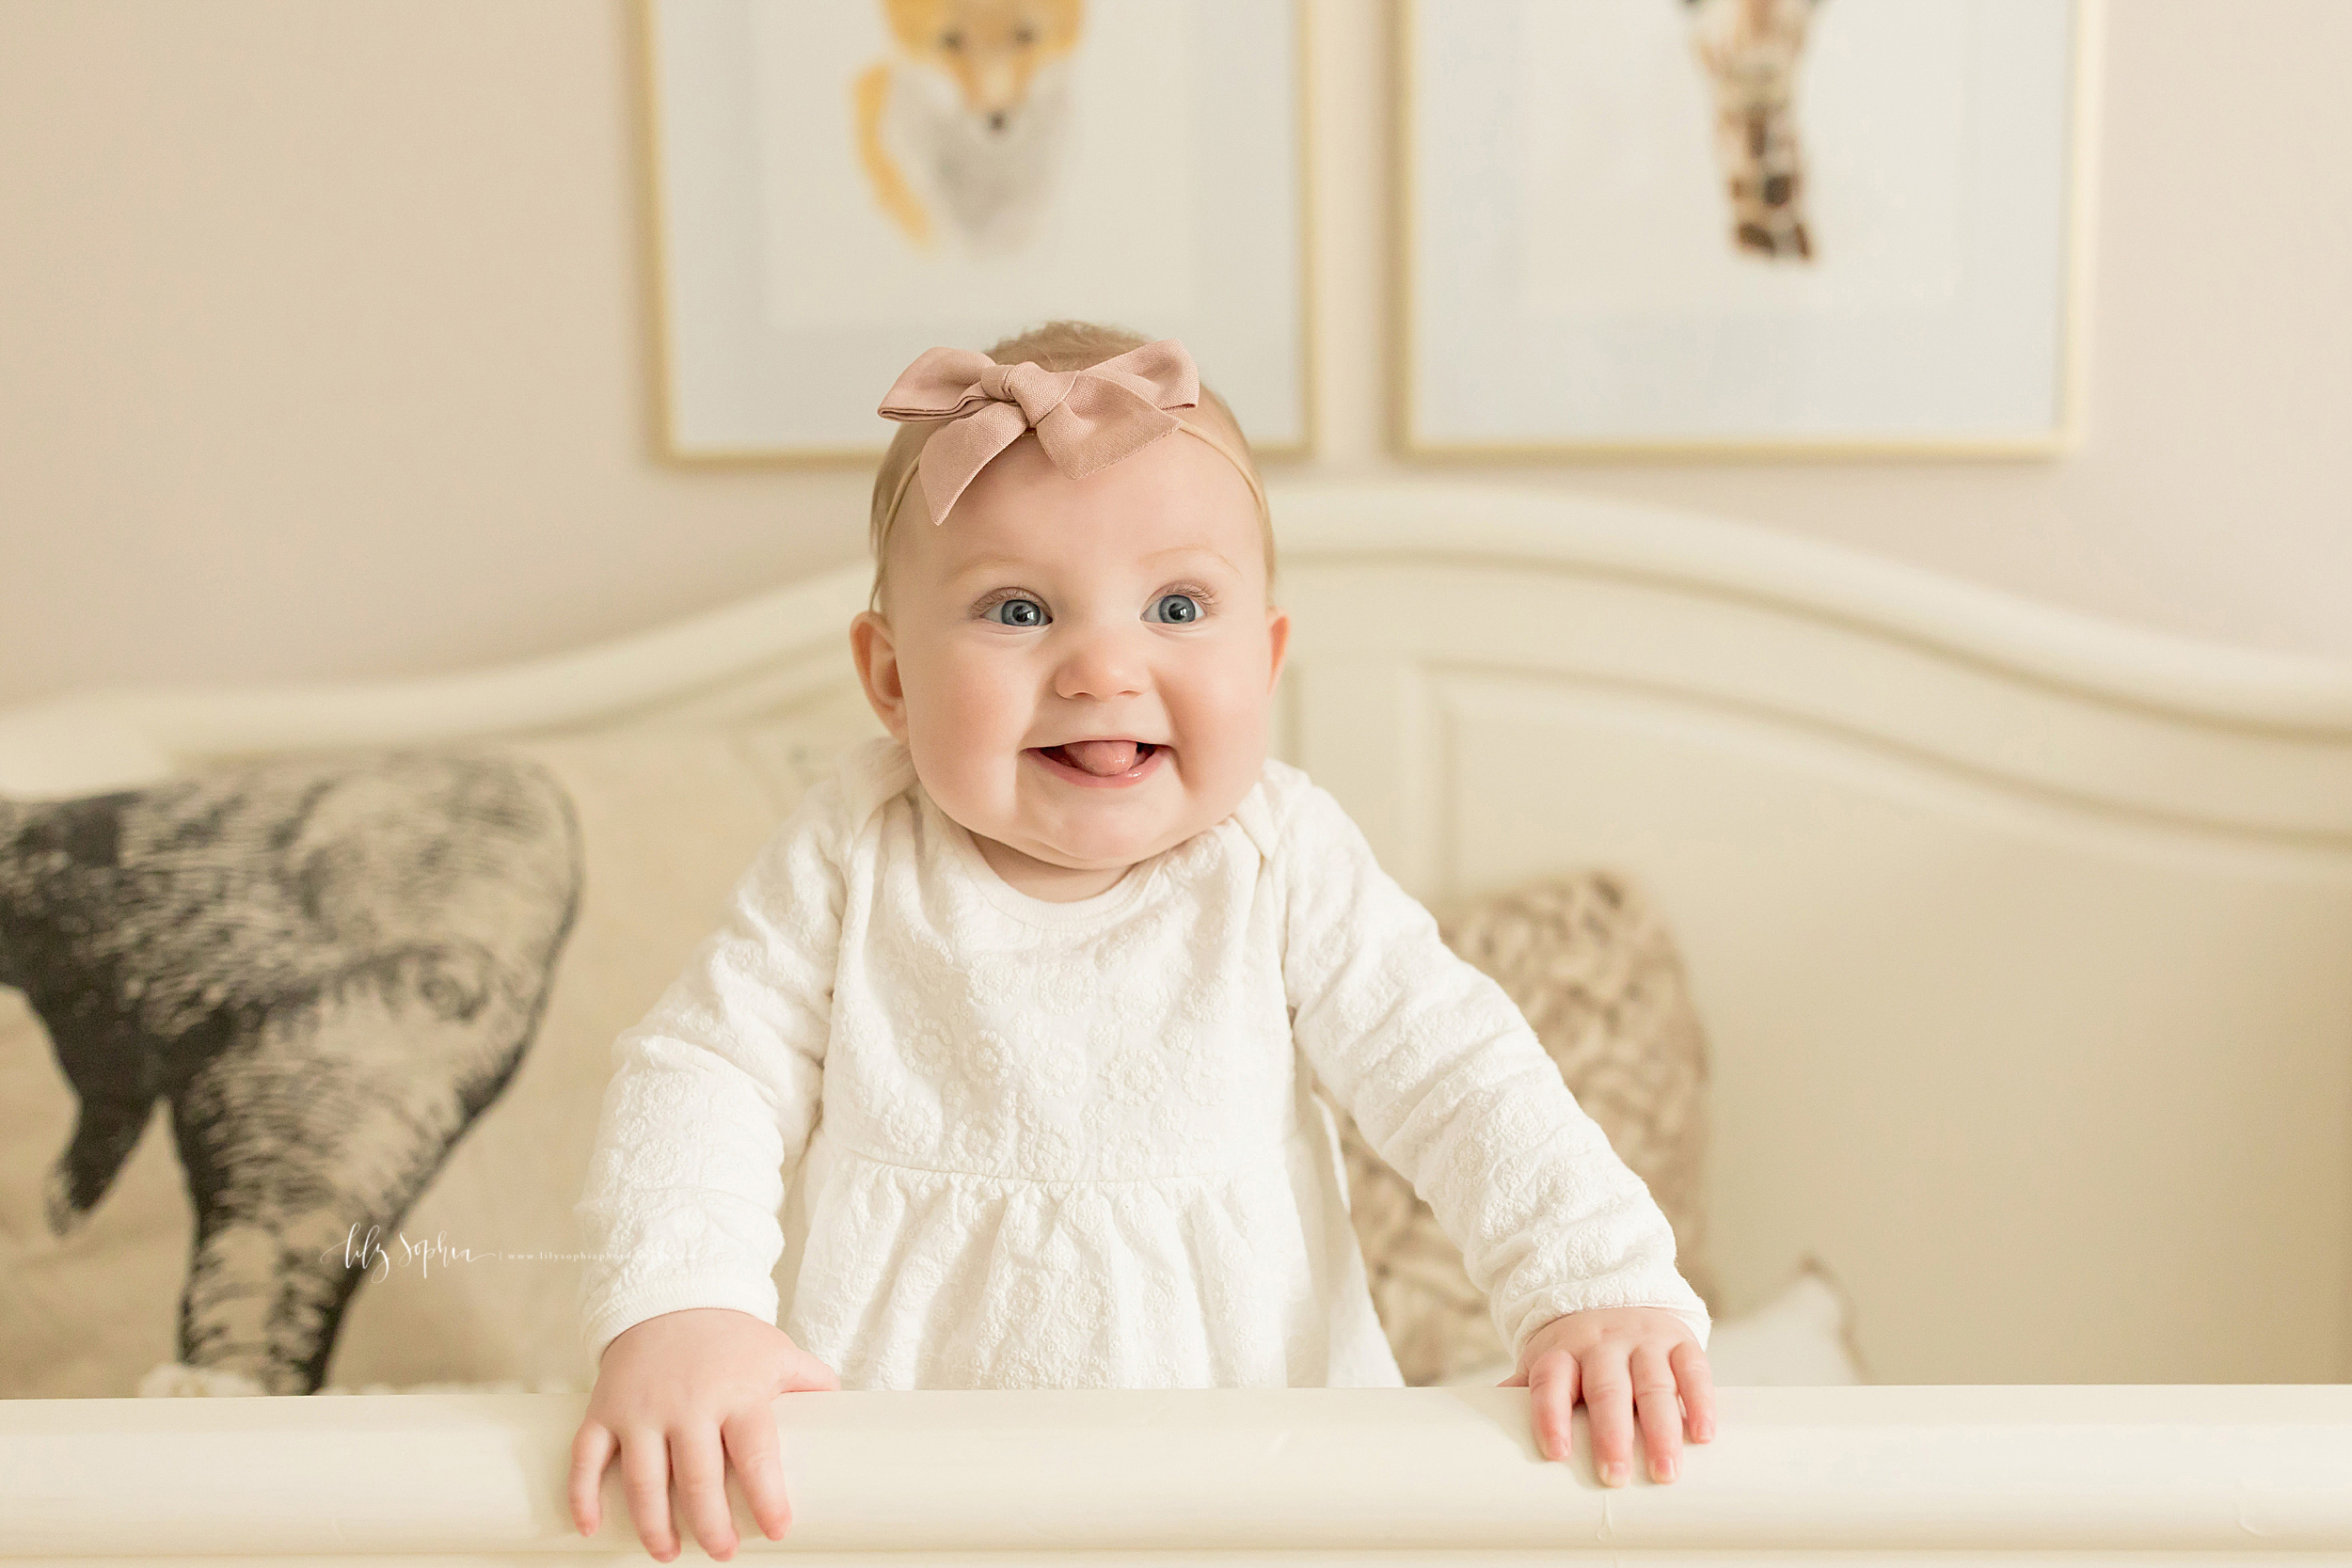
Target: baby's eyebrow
{"type": "Point", "coordinates": [997, 562]}
{"type": "Point", "coordinates": [1217, 556]}
{"type": "Point", "coordinates": [1009, 567]}
{"type": "Point", "coordinates": [986, 564]}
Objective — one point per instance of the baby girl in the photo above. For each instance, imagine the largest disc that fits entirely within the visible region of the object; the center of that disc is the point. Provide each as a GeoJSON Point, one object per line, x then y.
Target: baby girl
{"type": "Point", "coordinates": [1031, 997]}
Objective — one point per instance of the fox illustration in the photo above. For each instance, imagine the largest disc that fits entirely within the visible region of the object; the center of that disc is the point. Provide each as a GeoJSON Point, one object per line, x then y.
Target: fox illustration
{"type": "Point", "coordinates": [962, 129]}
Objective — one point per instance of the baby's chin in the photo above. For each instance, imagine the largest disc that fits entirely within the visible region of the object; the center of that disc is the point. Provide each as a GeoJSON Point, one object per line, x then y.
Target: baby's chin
{"type": "Point", "coordinates": [1090, 838]}
{"type": "Point", "coordinates": [1082, 845]}
{"type": "Point", "coordinates": [1033, 806]}
{"type": "Point", "coordinates": [1082, 826]}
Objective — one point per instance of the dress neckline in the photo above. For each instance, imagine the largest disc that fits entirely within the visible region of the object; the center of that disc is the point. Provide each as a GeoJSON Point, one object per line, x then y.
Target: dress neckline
{"type": "Point", "coordinates": [1113, 900]}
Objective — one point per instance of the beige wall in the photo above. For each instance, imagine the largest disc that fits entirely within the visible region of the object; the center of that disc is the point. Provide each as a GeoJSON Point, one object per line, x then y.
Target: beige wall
{"type": "Point", "coordinates": [323, 346]}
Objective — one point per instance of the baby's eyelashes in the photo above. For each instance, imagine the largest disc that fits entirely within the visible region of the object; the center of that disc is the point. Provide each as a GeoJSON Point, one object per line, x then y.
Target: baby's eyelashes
{"type": "Point", "coordinates": [1174, 607]}
{"type": "Point", "coordinates": [1180, 604]}
{"type": "Point", "coordinates": [1015, 612]}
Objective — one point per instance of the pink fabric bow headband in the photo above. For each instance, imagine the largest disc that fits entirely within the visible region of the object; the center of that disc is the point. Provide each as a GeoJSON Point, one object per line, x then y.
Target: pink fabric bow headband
{"type": "Point", "coordinates": [1085, 419]}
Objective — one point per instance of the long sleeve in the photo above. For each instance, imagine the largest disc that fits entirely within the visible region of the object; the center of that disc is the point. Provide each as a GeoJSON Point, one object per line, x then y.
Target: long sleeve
{"type": "Point", "coordinates": [1449, 1082]}
{"type": "Point", "coordinates": [713, 1093]}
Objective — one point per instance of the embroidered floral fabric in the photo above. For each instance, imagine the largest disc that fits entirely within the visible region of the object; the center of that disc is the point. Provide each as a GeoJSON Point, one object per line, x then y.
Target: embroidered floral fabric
{"type": "Point", "coordinates": [1070, 1145]}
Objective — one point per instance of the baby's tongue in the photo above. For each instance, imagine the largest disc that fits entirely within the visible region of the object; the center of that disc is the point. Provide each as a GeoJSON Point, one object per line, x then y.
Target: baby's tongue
{"type": "Point", "coordinates": [1102, 758]}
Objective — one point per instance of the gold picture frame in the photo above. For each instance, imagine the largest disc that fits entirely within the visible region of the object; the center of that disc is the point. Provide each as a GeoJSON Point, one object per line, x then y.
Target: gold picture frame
{"type": "Point", "coordinates": [2061, 433]}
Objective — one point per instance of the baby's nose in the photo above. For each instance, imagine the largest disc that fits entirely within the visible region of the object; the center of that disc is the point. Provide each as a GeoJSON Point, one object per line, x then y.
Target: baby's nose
{"type": "Point", "coordinates": [1100, 663]}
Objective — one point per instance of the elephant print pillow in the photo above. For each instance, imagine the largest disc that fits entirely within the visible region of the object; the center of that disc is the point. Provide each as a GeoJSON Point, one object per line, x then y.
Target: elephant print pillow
{"type": "Point", "coordinates": [300, 1059]}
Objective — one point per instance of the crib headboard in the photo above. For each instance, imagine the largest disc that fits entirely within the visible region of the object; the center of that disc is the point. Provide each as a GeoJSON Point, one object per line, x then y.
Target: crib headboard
{"type": "Point", "coordinates": [2023, 942]}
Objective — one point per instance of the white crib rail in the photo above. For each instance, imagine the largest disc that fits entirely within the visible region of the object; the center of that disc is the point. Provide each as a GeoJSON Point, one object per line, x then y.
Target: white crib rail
{"type": "Point", "coordinates": [1962, 1472]}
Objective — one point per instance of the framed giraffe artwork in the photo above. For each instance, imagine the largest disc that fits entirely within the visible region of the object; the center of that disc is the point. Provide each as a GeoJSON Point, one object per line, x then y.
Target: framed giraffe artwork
{"type": "Point", "coordinates": [1778, 228]}
{"type": "Point", "coordinates": [834, 188]}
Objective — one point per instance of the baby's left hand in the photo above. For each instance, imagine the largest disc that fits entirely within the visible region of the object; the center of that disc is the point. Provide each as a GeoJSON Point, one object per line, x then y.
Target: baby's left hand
{"type": "Point", "coordinates": [1623, 1359]}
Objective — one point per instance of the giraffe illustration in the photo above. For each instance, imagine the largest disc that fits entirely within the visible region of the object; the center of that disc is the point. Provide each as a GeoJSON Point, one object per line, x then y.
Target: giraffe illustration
{"type": "Point", "coordinates": [1750, 50]}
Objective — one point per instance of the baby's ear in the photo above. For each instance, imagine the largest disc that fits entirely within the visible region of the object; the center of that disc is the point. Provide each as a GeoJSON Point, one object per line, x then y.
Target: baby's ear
{"type": "Point", "coordinates": [877, 659]}
{"type": "Point", "coordinates": [1277, 631]}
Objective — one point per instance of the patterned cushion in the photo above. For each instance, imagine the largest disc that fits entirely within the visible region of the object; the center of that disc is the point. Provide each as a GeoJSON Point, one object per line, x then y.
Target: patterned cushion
{"type": "Point", "coordinates": [1595, 969]}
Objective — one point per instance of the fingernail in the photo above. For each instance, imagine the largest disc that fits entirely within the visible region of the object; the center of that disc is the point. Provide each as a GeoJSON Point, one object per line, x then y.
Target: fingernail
{"type": "Point", "coordinates": [1612, 1475]}
{"type": "Point", "coordinates": [1666, 1469]}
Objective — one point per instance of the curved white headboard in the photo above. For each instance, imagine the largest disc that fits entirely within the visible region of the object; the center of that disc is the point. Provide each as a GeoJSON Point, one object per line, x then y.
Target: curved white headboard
{"type": "Point", "coordinates": [2023, 942]}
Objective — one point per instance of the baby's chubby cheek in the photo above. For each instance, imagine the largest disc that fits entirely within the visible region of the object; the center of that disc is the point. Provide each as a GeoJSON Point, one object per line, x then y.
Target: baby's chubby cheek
{"type": "Point", "coordinates": [1218, 728]}
{"type": "Point", "coordinates": [966, 737]}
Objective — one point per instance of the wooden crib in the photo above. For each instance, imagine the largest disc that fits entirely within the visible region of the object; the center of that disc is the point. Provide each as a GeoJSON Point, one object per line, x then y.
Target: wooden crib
{"type": "Point", "coordinates": [2023, 943]}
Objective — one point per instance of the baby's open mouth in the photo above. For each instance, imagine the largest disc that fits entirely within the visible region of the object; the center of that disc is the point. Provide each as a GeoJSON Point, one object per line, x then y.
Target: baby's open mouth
{"type": "Point", "coordinates": [1105, 759]}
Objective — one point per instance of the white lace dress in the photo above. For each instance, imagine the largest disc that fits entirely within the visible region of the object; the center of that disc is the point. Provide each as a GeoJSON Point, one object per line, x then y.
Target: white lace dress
{"type": "Point", "coordinates": [1072, 1145]}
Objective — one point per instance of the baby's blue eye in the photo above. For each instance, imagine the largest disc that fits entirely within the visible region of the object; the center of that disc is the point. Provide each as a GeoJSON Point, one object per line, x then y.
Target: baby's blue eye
{"type": "Point", "coordinates": [1016, 612]}
{"type": "Point", "coordinates": [1176, 607]}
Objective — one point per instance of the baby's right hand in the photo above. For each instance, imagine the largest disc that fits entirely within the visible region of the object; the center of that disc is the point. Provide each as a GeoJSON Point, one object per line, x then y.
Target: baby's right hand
{"type": "Point", "coordinates": [696, 1384]}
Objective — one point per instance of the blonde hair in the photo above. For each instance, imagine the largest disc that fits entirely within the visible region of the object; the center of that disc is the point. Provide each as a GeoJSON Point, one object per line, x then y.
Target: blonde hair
{"type": "Point", "coordinates": [1059, 345]}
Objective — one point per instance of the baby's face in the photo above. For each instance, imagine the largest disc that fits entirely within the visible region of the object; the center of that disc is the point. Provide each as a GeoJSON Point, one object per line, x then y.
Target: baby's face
{"type": "Point", "coordinates": [1081, 669]}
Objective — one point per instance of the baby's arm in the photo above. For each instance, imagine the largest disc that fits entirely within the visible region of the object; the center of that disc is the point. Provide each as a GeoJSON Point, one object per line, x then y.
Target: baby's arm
{"type": "Point", "coordinates": [712, 1094]}
{"type": "Point", "coordinates": [1450, 1084]}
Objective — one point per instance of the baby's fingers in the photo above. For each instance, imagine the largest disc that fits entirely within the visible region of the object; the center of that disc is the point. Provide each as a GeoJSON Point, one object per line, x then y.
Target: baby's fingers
{"type": "Point", "coordinates": [701, 1488]}
{"type": "Point", "coordinates": [1552, 1384]}
{"type": "Point", "coordinates": [1698, 1390]}
{"type": "Point", "coordinates": [1608, 1410]}
{"type": "Point", "coordinates": [592, 1451]}
{"type": "Point", "coordinates": [1661, 1416]}
{"type": "Point", "coordinates": [751, 1442]}
{"type": "Point", "coordinates": [805, 1373]}
{"type": "Point", "coordinates": [645, 1479]}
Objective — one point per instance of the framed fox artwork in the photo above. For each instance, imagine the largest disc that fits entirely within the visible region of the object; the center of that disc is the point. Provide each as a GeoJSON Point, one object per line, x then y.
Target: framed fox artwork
{"type": "Point", "coordinates": [837, 187]}
{"type": "Point", "coordinates": [1783, 228]}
